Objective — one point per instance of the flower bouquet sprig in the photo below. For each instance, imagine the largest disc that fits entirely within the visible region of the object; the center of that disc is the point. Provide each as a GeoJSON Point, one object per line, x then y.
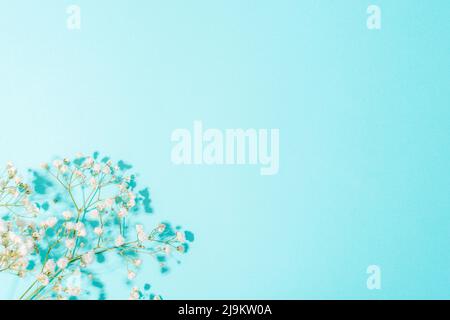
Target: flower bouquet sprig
{"type": "Point", "coordinates": [79, 213]}
{"type": "Point", "coordinates": [16, 238]}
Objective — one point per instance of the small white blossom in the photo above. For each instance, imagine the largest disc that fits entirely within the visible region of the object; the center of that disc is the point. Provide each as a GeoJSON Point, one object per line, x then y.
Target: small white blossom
{"type": "Point", "coordinates": [141, 233]}
{"type": "Point", "coordinates": [44, 165]}
{"type": "Point", "coordinates": [82, 233]}
{"type": "Point", "coordinates": [43, 279]}
{"type": "Point", "coordinates": [161, 228]}
{"type": "Point", "coordinates": [73, 290]}
{"type": "Point", "coordinates": [122, 213]}
{"type": "Point", "coordinates": [88, 258]}
{"type": "Point", "coordinates": [97, 168]}
{"type": "Point", "coordinates": [67, 215]}
{"type": "Point", "coordinates": [134, 295]}
{"type": "Point", "coordinates": [94, 214]}
{"type": "Point", "coordinates": [57, 163]}
{"type": "Point", "coordinates": [131, 275]}
{"type": "Point", "coordinates": [3, 226]}
{"type": "Point", "coordinates": [70, 225]}
{"type": "Point", "coordinates": [70, 244]}
{"type": "Point", "coordinates": [22, 250]}
{"type": "Point", "coordinates": [78, 173]}
{"type": "Point", "coordinates": [49, 266]}
{"type": "Point", "coordinates": [88, 162]}
{"type": "Point", "coordinates": [62, 263]}
{"type": "Point", "coordinates": [93, 182]}
{"type": "Point", "coordinates": [119, 241]}
{"type": "Point", "coordinates": [81, 229]}
{"type": "Point", "coordinates": [98, 231]}
{"type": "Point", "coordinates": [49, 223]}
{"type": "Point", "coordinates": [109, 203]}
{"type": "Point", "coordinates": [180, 236]}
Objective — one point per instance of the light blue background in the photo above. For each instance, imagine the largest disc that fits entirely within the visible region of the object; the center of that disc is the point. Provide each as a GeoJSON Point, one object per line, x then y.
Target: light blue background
{"type": "Point", "coordinates": [363, 116]}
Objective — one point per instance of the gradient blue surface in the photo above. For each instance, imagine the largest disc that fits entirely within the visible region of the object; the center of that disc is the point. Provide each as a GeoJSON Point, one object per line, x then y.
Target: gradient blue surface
{"type": "Point", "coordinates": [363, 117]}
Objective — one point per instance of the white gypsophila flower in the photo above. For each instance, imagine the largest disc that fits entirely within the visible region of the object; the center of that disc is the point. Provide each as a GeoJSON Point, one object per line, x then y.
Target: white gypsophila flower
{"type": "Point", "coordinates": [106, 170]}
{"type": "Point", "coordinates": [122, 213]}
{"type": "Point", "coordinates": [70, 244]}
{"type": "Point", "coordinates": [44, 165]}
{"type": "Point", "coordinates": [161, 228]}
{"type": "Point", "coordinates": [94, 214]}
{"type": "Point", "coordinates": [180, 236]}
{"type": "Point", "coordinates": [81, 229]}
{"type": "Point", "coordinates": [101, 207]}
{"type": "Point", "coordinates": [131, 203]}
{"type": "Point", "coordinates": [43, 279]}
{"type": "Point", "coordinates": [167, 250]}
{"type": "Point", "coordinates": [78, 173]}
{"type": "Point", "coordinates": [67, 215]}
{"type": "Point", "coordinates": [49, 266]}
{"type": "Point", "coordinates": [97, 168]}
{"type": "Point", "coordinates": [139, 228]}
{"type": "Point", "coordinates": [57, 163]}
{"type": "Point", "coordinates": [134, 295]}
{"type": "Point", "coordinates": [79, 226]}
{"type": "Point", "coordinates": [82, 233]}
{"type": "Point", "coordinates": [62, 263]}
{"type": "Point", "coordinates": [22, 263]}
{"type": "Point", "coordinates": [51, 222]}
{"type": "Point", "coordinates": [109, 203]}
{"type": "Point", "coordinates": [89, 162]}
{"type": "Point", "coordinates": [142, 236]}
{"type": "Point", "coordinates": [37, 236]}
{"type": "Point", "coordinates": [131, 275]}
{"type": "Point", "coordinates": [93, 182]}
{"type": "Point", "coordinates": [137, 262]}
{"type": "Point", "coordinates": [120, 241]}
{"type": "Point", "coordinates": [88, 258]}
{"type": "Point", "coordinates": [22, 250]}
{"type": "Point", "coordinates": [12, 172]}
{"type": "Point", "coordinates": [30, 207]}
{"type": "Point", "coordinates": [3, 227]}
{"type": "Point", "coordinates": [20, 223]}
{"type": "Point", "coordinates": [70, 226]}
{"type": "Point", "coordinates": [112, 197]}
{"type": "Point", "coordinates": [14, 238]}
{"type": "Point", "coordinates": [73, 290]}
{"type": "Point", "coordinates": [98, 231]}
{"type": "Point", "coordinates": [141, 233]}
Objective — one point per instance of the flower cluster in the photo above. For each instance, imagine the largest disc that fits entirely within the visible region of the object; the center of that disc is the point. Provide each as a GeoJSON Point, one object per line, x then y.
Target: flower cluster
{"type": "Point", "coordinates": [14, 194]}
{"type": "Point", "coordinates": [17, 235]}
{"type": "Point", "coordinates": [82, 211]}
